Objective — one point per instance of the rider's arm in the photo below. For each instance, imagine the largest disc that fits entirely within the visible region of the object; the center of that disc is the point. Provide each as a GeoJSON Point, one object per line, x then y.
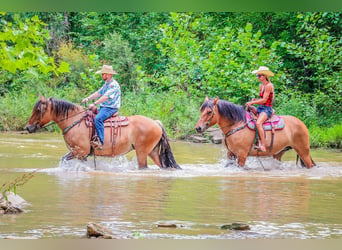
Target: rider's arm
{"type": "Point", "coordinates": [263, 100]}
{"type": "Point", "coordinates": [92, 96]}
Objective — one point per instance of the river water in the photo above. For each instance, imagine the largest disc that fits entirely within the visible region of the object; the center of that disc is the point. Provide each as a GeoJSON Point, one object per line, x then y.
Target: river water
{"type": "Point", "coordinates": [277, 200]}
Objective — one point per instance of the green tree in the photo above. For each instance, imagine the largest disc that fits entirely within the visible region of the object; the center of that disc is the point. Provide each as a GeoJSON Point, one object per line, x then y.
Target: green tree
{"type": "Point", "coordinates": [117, 52]}
{"type": "Point", "coordinates": [22, 52]}
{"type": "Point", "coordinates": [318, 48]}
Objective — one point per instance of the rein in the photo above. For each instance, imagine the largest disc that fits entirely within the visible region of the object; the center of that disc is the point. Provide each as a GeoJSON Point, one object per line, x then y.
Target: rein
{"type": "Point", "coordinates": [52, 122]}
{"type": "Point", "coordinates": [233, 131]}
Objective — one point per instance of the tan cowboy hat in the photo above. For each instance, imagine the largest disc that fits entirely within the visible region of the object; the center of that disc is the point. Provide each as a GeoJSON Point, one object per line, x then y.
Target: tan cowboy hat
{"type": "Point", "coordinates": [106, 69]}
{"type": "Point", "coordinates": [263, 70]}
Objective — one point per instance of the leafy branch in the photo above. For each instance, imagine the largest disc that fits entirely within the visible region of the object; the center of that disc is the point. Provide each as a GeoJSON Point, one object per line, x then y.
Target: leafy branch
{"type": "Point", "coordinates": [12, 186]}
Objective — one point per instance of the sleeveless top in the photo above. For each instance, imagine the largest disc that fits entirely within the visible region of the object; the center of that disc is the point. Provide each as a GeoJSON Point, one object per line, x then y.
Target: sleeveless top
{"type": "Point", "coordinates": [269, 101]}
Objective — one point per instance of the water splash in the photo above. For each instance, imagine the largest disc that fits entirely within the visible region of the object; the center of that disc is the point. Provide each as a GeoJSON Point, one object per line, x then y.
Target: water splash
{"type": "Point", "coordinates": [265, 167]}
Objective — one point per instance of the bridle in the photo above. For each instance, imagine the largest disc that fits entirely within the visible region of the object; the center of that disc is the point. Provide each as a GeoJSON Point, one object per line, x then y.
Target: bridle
{"type": "Point", "coordinates": [211, 117]}
{"type": "Point", "coordinates": [42, 112]}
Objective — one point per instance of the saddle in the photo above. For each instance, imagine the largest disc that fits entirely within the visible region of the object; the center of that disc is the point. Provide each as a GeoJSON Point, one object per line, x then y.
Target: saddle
{"type": "Point", "coordinates": [115, 122]}
{"type": "Point", "coordinates": [276, 122]}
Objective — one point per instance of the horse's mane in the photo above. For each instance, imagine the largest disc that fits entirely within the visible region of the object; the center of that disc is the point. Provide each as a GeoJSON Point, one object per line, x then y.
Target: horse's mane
{"type": "Point", "coordinates": [60, 107]}
{"type": "Point", "coordinates": [227, 109]}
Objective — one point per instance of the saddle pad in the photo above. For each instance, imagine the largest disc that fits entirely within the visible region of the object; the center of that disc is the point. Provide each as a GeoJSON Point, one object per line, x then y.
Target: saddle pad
{"type": "Point", "coordinates": [116, 121]}
{"type": "Point", "coordinates": [276, 120]}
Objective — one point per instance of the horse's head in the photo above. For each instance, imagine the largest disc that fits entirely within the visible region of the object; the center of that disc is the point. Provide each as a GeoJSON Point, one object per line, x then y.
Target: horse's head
{"type": "Point", "coordinates": [208, 115]}
{"type": "Point", "coordinates": [40, 115]}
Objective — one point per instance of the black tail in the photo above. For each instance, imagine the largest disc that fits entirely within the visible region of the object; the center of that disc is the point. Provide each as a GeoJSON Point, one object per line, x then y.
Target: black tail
{"type": "Point", "coordinates": [166, 157]}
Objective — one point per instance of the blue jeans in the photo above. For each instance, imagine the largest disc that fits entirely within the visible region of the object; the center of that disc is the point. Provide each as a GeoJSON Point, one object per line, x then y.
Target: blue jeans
{"type": "Point", "coordinates": [103, 115]}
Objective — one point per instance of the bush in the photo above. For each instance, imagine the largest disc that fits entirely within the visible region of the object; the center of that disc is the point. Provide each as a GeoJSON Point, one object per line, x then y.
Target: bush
{"type": "Point", "coordinates": [82, 69]}
{"type": "Point", "coordinates": [178, 113]}
{"type": "Point", "coordinates": [297, 105]}
{"type": "Point", "coordinates": [326, 137]}
{"type": "Point", "coordinates": [17, 107]}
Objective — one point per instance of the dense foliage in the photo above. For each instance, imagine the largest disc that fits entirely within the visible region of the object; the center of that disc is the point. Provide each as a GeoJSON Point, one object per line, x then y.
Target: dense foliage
{"type": "Point", "coordinates": [168, 63]}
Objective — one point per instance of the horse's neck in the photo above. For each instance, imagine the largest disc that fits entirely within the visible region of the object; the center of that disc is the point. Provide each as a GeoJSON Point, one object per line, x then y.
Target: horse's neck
{"type": "Point", "coordinates": [65, 121]}
{"type": "Point", "coordinates": [227, 125]}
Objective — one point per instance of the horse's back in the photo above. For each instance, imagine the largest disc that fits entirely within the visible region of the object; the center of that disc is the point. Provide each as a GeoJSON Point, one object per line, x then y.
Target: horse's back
{"type": "Point", "coordinates": [145, 124]}
{"type": "Point", "coordinates": [295, 126]}
{"type": "Point", "coordinates": [289, 119]}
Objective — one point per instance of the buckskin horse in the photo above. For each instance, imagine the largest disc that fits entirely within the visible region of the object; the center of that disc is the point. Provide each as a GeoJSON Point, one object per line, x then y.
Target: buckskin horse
{"type": "Point", "coordinates": [122, 134]}
{"type": "Point", "coordinates": [240, 133]}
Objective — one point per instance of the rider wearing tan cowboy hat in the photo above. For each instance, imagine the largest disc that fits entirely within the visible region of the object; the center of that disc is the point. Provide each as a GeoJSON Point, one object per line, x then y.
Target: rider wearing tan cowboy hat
{"type": "Point", "coordinates": [265, 102]}
{"type": "Point", "coordinates": [109, 99]}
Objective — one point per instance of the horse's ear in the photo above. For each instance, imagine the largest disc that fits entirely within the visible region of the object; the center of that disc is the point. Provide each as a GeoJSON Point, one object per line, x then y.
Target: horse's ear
{"type": "Point", "coordinates": [216, 101]}
{"type": "Point", "coordinates": [206, 98]}
{"type": "Point", "coordinates": [43, 99]}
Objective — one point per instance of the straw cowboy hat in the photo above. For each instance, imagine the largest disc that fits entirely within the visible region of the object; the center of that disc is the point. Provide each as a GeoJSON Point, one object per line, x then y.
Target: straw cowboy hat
{"type": "Point", "coordinates": [263, 70]}
{"type": "Point", "coordinates": [106, 69]}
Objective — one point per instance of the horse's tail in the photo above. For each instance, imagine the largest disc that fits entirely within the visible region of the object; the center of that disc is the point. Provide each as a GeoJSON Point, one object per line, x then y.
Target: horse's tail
{"type": "Point", "coordinates": [166, 157]}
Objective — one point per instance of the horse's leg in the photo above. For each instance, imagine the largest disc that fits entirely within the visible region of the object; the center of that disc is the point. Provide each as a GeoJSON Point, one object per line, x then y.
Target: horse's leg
{"type": "Point", "coordinates": [67, 157]}
{"type": "Point", "coordinates": [304, 154]}
{"type": "Point", "coordinates": [301, 144]}
{"type": "Point", "coordinates": [231, 158]}
{"type": "Point", "coordinates": [242, 160]}
{"type": "Point", "coordinates": [154, 155]}
{"type": "Point", "coordinates": [279, 155]}
{"type": "Point", "coordinates": [142, 158]}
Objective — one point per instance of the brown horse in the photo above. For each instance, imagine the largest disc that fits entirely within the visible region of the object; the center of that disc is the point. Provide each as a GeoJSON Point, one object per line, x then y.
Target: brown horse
{"type": "Point", "coordinates": [239, 139]}
{"type": "Point", "coordinates": [146, 136]}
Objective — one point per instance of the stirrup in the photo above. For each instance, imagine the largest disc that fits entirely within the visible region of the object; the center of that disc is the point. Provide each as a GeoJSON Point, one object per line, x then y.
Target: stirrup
{"type": "Point", "coordinates": [96, 143]}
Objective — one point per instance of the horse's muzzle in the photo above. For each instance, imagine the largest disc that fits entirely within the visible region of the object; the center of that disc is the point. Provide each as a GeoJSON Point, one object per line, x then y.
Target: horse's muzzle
{"type": "Point", "coordinates": [31, 128]}
{"type": "Point", "coordinates": [199, 129]}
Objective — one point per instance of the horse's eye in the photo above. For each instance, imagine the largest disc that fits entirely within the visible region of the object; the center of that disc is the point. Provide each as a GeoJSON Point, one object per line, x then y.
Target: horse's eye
{"type": "Point", "coordinates": [209, 112]}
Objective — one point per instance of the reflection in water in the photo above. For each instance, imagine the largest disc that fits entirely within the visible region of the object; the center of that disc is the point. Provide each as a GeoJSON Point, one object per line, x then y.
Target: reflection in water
{"type": "Point", "coordinates": [277, 200]}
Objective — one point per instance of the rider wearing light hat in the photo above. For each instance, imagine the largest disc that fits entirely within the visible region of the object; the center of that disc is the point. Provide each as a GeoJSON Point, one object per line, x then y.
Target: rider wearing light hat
{"type": "Point", "coordinates": [109, 99]}
{"type": "Point", "coordinates": [265, 102]}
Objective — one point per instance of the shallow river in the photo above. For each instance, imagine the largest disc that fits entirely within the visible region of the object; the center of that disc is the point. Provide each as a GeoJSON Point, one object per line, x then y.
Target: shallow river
{"type": "Point", "coordinates": [277, 200]}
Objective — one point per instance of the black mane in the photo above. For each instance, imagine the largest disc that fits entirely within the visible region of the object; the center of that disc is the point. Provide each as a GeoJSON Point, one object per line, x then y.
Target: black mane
{"type": "Point", "coordinates": [231, 111]}
{"type": "Point", "coordinates": [60, 107]}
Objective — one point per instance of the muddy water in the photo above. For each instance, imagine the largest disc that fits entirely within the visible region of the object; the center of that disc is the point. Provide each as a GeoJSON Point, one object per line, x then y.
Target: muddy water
{"type": "Point", "coordinates": [277, 200]}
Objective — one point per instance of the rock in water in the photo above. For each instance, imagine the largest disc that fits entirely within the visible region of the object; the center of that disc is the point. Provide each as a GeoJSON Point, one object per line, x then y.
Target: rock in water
{"type": "Point", "coordinates": [236, 226]}
{"type": "Point", "coordinates": [13, 204]}
{"type": "Point", "coordinates": [98, 231]}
